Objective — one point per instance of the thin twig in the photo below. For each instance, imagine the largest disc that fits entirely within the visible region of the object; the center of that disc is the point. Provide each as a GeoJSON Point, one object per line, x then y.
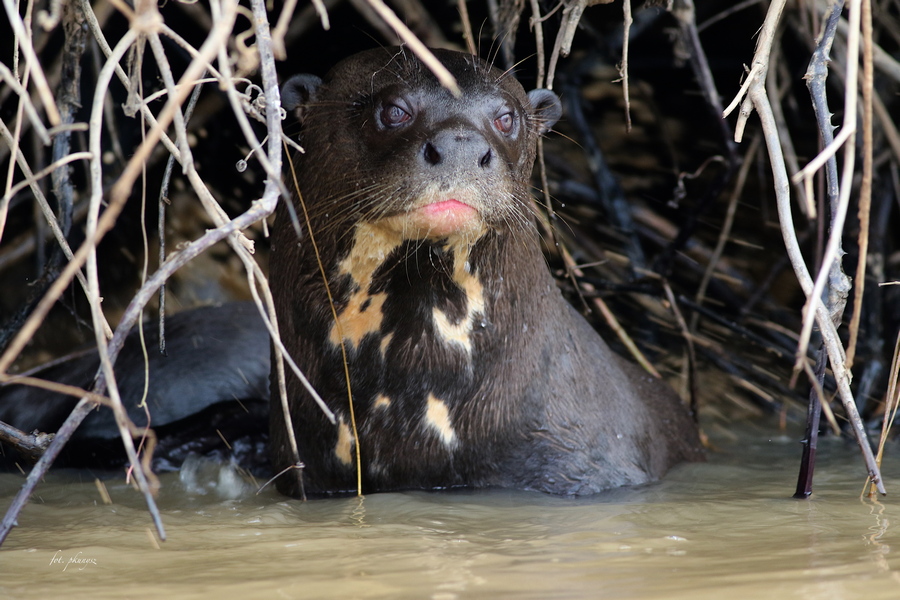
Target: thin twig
{"type": "Point", "coordinates": [30, 110]}
{"type": "Point", "coordinates": [608, 316]}
{"type": "Point", "coordinates": [270, 198]}
{"type": "Point", "coordinates": [623, 67]}
{"type": "Point", "coordinates": [865, 190]}
{"type": "Point", "coordinates": [146, 481]}
{"type": "Point", "coordinates": [691, 352]}
{"type": "Point", "coordinates": [425, 55]}
{"type": "Point", "coordinates": [23, 40]}
{"type": "Point", "coordinates": [467, 27]}
{"type": "Point", "coordinates": [891, 403]}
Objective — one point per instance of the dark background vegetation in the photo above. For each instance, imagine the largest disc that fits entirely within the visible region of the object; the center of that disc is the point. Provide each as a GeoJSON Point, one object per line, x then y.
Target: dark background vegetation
{"type": "Point", "coordinates": [745, 338]}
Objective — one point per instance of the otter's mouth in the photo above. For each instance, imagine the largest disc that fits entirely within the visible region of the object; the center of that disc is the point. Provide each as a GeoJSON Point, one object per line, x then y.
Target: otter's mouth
{"type": "Point", "coordinates": [434, 214]}
{"type": "Point", "coordinates": [444, 217]}
{"type": "Point", "coordinates": [440, 218]}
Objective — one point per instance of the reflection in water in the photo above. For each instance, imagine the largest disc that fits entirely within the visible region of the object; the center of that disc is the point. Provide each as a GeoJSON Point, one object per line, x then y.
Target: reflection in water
{"type": "Point", "coordinates": [726, 529]}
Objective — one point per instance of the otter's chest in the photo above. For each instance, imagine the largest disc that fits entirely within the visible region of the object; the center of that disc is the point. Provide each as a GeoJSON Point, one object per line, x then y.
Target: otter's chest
{"type": "Point", "coordinates": [414, 322]}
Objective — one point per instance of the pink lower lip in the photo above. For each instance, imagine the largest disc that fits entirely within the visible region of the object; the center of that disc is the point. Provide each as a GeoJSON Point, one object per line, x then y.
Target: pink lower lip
{"type": "Point", "coordinates": [445, 206]}
{"type": "Point", "coordinates": [443, 217]}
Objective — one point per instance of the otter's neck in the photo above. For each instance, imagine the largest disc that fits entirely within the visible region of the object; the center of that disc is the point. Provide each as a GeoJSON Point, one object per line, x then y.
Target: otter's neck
{"type": "Point", "coordinates": [386, 285]}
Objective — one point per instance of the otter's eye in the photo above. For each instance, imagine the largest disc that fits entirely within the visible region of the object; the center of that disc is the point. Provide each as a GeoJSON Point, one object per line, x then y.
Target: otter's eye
{"type": "Point", "coordinates": [392, 115]}
{"type": "Point", "coordinates": [504, 123]}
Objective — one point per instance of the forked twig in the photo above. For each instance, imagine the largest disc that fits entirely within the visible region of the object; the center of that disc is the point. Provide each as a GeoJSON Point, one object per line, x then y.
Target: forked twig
{"type": "Point", "coordinates": [758, 99]}
{"type": "Point", "coordinates": [99, 224]}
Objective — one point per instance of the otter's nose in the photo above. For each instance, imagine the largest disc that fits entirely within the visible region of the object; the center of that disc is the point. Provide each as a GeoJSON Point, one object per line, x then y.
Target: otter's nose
{"type": "Point", "coordinates": [454, 150]}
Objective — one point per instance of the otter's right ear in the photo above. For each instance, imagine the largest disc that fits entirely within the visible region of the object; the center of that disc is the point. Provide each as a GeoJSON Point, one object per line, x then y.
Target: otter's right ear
{"type": "Point", "coordinates": [547, 109]}
{"type": "Point", "coordinates": [297, 92]}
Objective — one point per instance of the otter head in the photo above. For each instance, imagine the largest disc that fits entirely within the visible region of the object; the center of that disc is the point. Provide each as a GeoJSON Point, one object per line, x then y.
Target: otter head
{"type": "Point", "coordinates": [388, 147]}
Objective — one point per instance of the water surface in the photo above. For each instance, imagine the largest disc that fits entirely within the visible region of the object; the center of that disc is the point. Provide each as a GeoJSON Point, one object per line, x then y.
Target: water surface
{"type": "Point", "coordinates": [725, 529]}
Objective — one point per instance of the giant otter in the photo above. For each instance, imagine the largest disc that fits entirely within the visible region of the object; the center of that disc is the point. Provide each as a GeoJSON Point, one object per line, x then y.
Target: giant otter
{"type": "Point", "coordinates": [467, 366]}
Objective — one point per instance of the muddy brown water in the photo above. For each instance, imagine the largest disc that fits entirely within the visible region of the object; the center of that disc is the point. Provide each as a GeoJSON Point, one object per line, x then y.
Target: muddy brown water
{"type": "Point", "coordinates": [725, 529]}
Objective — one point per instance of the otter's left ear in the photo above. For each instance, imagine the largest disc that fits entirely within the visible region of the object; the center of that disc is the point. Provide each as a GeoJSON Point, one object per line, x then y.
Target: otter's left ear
{"type": "Point", "coordinates": [299, 91]}
{"type": "Point", "coordinates": [547, 109]}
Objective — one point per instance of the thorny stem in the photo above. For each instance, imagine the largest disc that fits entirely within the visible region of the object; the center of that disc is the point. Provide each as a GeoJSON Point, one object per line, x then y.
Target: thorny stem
{"type": "Point", "coordinates": [757, 98]}
{"type": "Point", "coordinates": [831, 259]}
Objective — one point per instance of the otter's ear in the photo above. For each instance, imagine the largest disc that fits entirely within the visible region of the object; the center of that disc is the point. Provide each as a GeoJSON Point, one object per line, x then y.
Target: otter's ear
{"type": "Point", "coordinates": [297, 92]}
{"type": "Point", "coordinates": [547, 109]}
